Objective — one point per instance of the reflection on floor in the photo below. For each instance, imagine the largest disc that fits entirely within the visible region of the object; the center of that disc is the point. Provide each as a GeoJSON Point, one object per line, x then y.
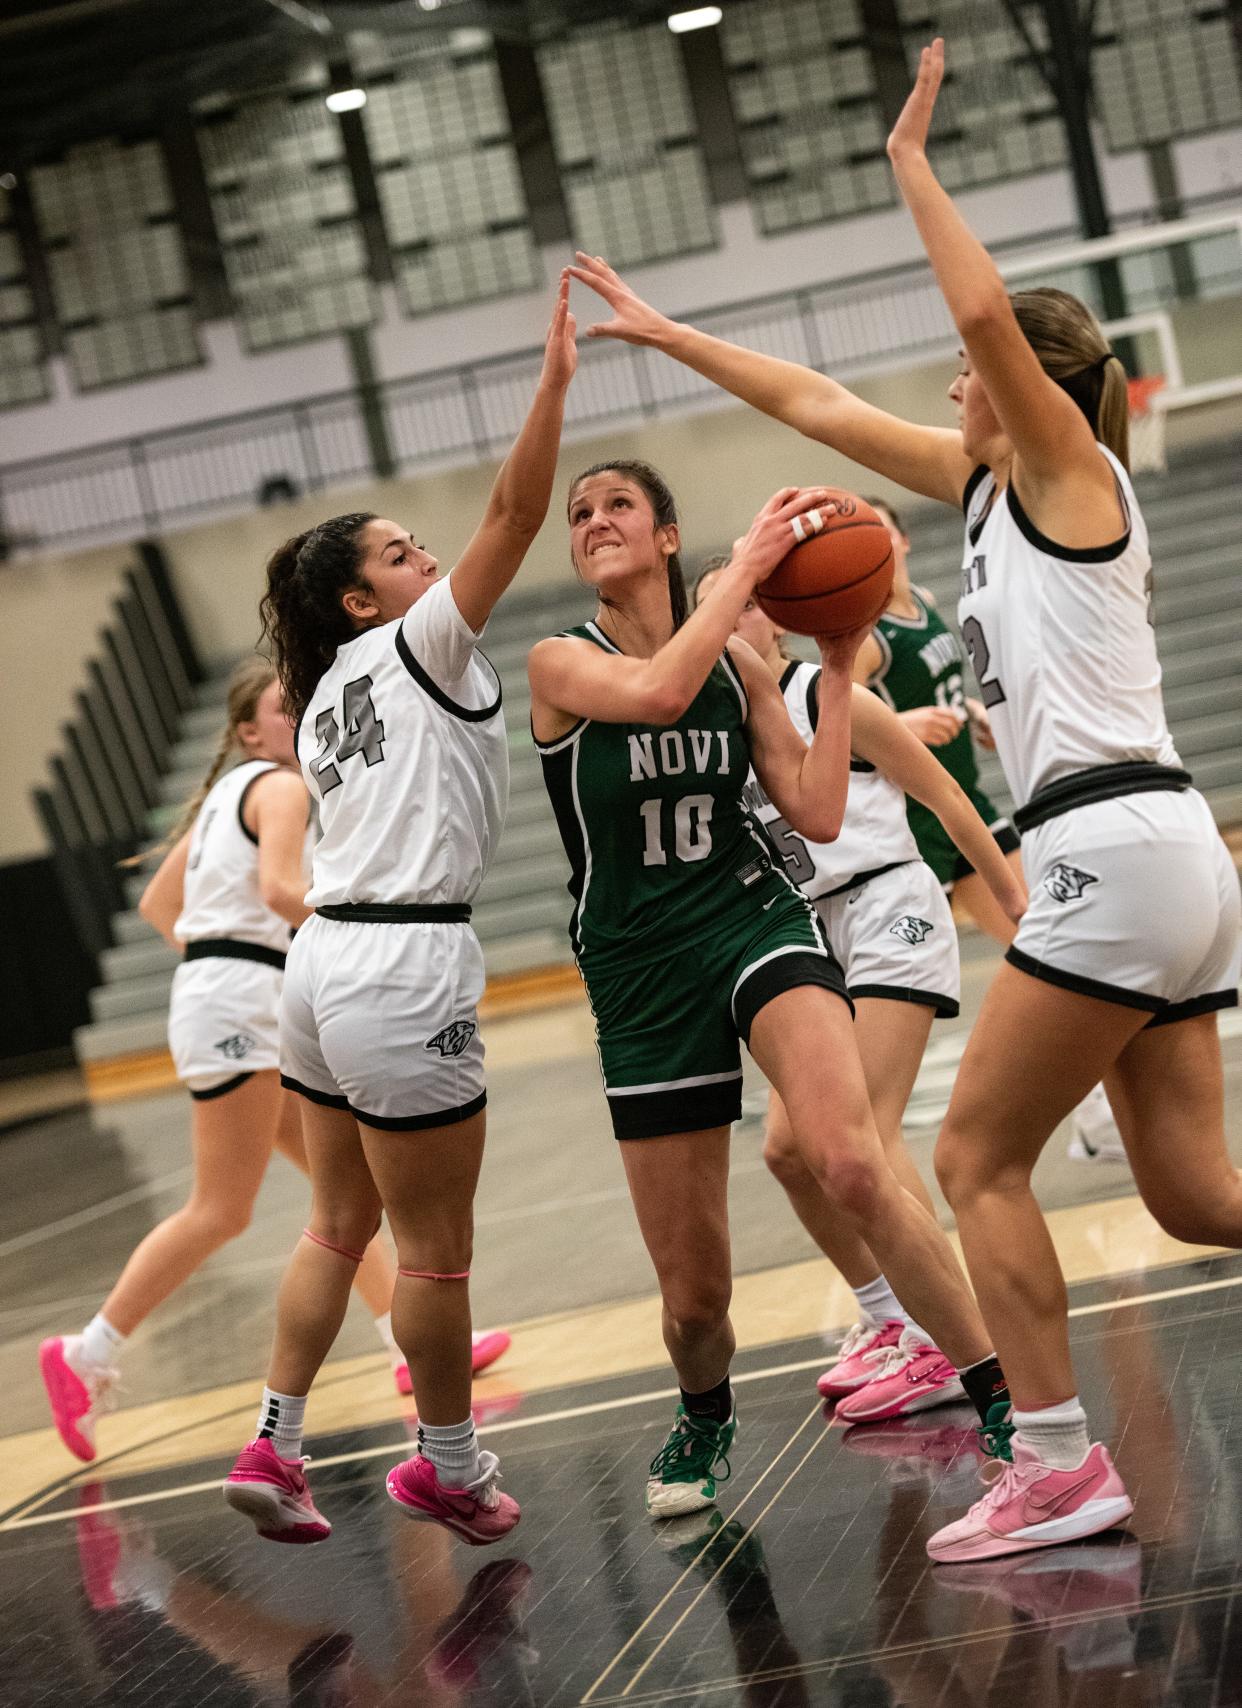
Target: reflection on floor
{"type": "Point", "coordinates": [808, 1585]}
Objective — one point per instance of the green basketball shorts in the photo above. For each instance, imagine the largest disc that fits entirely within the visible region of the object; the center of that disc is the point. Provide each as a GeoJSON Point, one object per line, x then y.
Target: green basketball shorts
{"type": "Point", "coordinates": [668, 1031]}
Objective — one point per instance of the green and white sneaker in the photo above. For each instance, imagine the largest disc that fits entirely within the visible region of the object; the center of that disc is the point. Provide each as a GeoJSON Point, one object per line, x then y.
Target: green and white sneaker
{"type": "Point", "coordinates": [693, 1460]}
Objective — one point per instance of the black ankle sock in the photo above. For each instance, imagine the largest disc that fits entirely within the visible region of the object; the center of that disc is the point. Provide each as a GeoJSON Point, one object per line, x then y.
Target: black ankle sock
{"type": "Point", "coordinates": [716, 1403]}
{"type": "Point", "coordinates": [985, 1385]}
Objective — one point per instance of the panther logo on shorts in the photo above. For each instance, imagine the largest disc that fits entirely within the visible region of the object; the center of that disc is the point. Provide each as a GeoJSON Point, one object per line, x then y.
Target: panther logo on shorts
{"type": "Point", "coordinates": [237, 1047]}
{"type": "Point", "coordinates": [910, 928]}
{"type": "Point", "coordinates": [1064, 882]}
{"type": "Point", "coordinates": [453, 1038]}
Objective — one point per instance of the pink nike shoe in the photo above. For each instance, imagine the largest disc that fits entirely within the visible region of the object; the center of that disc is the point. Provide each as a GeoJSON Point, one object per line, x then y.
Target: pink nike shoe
{"type": "Point", "coordinates": [479, 1513]}
{"type": "Point", "coordinates": [1033, 1505]}
{"type": "Point", "coordinates": [76, 1392]}
{"type": "Point", "coordinates": [485, 1349]}
{"type": "Point", "coordinates": [911, 1376]}
{"type": "Point", "coordinates": [861, 1351]}
{"type": "Point", "coordinates": [273, 1494]}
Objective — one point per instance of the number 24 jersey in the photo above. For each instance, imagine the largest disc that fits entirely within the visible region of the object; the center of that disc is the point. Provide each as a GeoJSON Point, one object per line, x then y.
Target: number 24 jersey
{"type": "Point", "coordinates": [403, 747]}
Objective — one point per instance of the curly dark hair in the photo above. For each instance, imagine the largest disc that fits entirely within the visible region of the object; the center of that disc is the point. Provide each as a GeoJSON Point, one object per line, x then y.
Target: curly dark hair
{"type": "Point", "coordinates": [663, 504]}
{"type": "Point", "coordinates": [302, 614]}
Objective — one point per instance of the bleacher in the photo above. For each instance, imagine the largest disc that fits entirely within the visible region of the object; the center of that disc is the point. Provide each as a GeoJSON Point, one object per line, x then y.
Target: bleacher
{"type": "Point", "coordinates": [522, 912]}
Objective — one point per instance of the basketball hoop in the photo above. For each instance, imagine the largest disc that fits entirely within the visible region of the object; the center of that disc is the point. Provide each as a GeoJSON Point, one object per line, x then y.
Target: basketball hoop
{"type": "Point", "coordinates": [1146, 426]}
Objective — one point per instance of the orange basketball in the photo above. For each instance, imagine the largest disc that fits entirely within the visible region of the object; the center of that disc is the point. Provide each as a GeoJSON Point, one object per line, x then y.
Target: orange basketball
{"type": "Point", "coordinates": [835, 580]}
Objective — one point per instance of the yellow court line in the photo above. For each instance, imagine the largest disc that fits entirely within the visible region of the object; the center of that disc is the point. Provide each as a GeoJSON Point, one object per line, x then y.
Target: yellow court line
{"type": "Point", "coordinates": [567, 1414]}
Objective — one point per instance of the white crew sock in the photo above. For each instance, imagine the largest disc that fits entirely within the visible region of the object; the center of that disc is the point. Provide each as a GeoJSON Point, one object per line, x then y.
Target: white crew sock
{"type": "Point", "coordinates": [453, 1449]}
{"type": "Point", "coordinates": [383, 1327]}
{"type": "Point", "coordinates": [99, 1344]}
{"type": "Point", "coordinates": [281, 1417]}
{"type": "Point", "coordinates": [877, 1303]}
{"type": "Point", "coordinates": [1057, 1433]}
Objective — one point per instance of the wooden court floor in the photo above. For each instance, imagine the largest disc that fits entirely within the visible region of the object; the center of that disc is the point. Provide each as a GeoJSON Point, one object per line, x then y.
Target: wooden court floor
{"type": "Point", "coordinates": [128, 1581]}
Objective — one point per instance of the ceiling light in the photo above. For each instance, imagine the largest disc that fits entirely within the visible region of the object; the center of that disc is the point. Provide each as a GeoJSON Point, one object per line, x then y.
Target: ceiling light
{"type": "Point", "coordinates": [701, 18]}
{"type": "Point", "coordinates": [346, 100]}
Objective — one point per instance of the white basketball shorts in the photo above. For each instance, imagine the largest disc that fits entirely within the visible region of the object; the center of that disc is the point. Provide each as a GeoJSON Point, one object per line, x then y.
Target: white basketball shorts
{"type": "Point", "coordinates": [382, 1020]}
{"type": "Point", "coordinates": [1134, 900]}
{"type": "Point", "coordinates": [894, 936]}
{"type": "Point", "coordinates": [223, 1023]}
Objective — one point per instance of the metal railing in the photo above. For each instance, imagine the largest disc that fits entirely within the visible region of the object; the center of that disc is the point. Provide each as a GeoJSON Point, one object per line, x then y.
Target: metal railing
{"type": "Point", "coordinates": [163, 481]}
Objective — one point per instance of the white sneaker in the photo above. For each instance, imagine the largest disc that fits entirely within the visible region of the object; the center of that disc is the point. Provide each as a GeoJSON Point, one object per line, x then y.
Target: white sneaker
{"type": "Point", "coordinates": [1096, 1137]}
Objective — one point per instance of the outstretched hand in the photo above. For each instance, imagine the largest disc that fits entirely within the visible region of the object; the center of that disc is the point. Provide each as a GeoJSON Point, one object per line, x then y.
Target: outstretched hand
{"type": "Point", "coordinates": [560, 355]}
{"type": "Point", "coordinates": [633, 320]}
{"type": "Point", "coordinates": [909, 134]}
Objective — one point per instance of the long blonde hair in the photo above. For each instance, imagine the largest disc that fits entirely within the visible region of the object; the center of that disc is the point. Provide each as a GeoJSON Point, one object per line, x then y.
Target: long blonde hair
{"type": "Point", "coordinates": [1073, 351]}
{"type": "Point", "coordinates": [246, 686]}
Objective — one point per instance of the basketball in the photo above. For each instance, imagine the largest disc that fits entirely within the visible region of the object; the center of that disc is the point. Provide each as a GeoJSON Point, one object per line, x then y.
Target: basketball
{"type": "Point", "coordinates": [834, 580]}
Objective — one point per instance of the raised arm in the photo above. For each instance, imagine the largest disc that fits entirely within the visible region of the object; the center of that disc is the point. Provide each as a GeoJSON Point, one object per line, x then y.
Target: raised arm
{"type": "Point", "coordinates": [519, 499]}
{"type": "Point", "coordinates": [1067, 488]}
{"type": "Point", "coordinates": [163, 897]}
{"type": "Point", "coordinates": [276, 811]}
{"type": "Point", "coordinates": [925, 459]}
{"type": "Point", "coordinates": [808, 785]}
{"type": "Point", "coordinates": [879, 735]}
{"type": "Point", "coordinates": [573, 679]}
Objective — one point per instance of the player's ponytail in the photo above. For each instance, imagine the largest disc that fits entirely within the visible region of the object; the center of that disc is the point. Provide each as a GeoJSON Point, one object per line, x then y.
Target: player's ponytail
{"type": "Point", "coordinates": [664, 506]}
{"type": "Point", "coordinates": [302, 614]}
{"type": "Point", "coordinates": [246, 685]}
{"type": "Point", "coordinates": [1073, 351]}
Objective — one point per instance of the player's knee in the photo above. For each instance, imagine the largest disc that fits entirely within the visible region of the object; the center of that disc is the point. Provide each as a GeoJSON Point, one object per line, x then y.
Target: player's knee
{"type": "Point", "coordinates": [698, 1304]}
{"type": "Point", "coordinates": [784, 1160]}
{"type": "Point", "coordinates": [853, 1184]}
{"type": "Point", "coordinates": [218, 1223]}
{"type": "Point", "coordinates": [343, 1227]}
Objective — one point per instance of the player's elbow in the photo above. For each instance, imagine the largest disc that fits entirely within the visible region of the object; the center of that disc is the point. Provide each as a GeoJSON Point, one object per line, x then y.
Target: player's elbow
{"type": "Point", "coordinates": [517, 515]}
{"type": "Point", "coordinates": [283, 898]}
{"type": "Point", "coordinates": [987, 307]}
{"type": "Point", "coordinates": [663, 703]}
{"type": "Point", "coordinates": [817, 822]}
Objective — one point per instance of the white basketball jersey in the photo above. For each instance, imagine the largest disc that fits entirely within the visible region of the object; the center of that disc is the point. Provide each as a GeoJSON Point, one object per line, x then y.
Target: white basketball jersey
{"type": "Point", "coordinates": [403, 746]}
{"type": "Point", "coordinates": [875, 832]}
{"type": "Point", "coordinates": [1061, 641]}
{"type": "Point", "coordinates": [221, 893]}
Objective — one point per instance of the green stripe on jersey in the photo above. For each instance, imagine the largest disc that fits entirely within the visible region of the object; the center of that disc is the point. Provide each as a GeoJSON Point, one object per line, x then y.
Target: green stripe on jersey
{"type": "Point", "coordinates": [660, 847]}
{"type": "Point", "coordinates": [922, 664]}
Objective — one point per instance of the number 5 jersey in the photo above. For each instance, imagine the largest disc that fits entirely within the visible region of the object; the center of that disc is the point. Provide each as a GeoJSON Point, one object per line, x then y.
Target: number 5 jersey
{"type": "Point", "coordinates": [403, 746]}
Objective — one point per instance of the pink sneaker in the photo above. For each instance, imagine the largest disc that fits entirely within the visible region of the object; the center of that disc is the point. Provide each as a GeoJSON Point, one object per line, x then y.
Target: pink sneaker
{"type": "Point", "coordinates": [911, 1376]}
{"type": "Point", "coordinates": [479, 1513]}
{"type": "Point", "coordinates": [77, 1393]}
{"type": "Point", "coordinates": [1033, 1505]}
{"type": "Point", "coordinates": [485, 1349]}
{"type": "Point", "coordinates": [861, 1350]}
{"type": "Point", "coordinates": [273, 1494]}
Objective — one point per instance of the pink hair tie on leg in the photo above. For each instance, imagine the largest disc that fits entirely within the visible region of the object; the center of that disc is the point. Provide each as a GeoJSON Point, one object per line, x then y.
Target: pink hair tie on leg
{"type": "Point", "coordinates": [430, 1275]}
{"type": "Point", "coordinates": [340, 1250]}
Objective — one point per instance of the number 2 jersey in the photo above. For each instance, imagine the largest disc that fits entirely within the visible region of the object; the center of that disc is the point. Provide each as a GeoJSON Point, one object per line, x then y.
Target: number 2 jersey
{"type": "Point", "coordinates": [403, 746]}
{"type": "Point", "coordinates": [661, 847]}
{"type": "Point", "coordinates": [1061, 640]}
{"type": "Point", "coordinates": [875, 834]}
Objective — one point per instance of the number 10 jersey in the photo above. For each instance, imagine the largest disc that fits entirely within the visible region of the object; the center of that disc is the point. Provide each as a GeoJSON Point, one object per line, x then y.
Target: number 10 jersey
{"type": "Point", "coordinates": [403, 747]}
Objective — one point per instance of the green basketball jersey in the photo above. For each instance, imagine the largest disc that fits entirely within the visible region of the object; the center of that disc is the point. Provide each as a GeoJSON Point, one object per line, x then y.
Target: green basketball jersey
{"type": "Point", "coordinates": [921, 665]}
{"type": "Point", "coordinates": [661, 849]}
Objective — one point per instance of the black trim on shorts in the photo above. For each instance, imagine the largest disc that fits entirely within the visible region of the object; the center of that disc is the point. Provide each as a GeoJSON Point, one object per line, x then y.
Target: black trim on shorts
{"type": "Point", "coordinates": [1084, 986]}
{"type": "Point", "coordinates": [221, 1090]}
{"type": "Point", "coordinates": [1006, 839]}
{"type": "Point", "coordinates": [415, 1123]}
{"type": "Point", "coordinates": [1193, 1006]}
{"type": "Point", "coordinates": [680, 1109]}
{"type": "Point", "coordinates": [233, 949]}
{"type": "Point", "coordinates": [1069, 554]}
{"type": "Point", "coordinates": [328, 1099]}
{"type": "Point", "coordinates": [1100, 783]}
{"type": "Point", "coordinates": [433, 690]}
{"type": "Point", "coordinates": [785, 972]}
{"type": "Point", "coordinates": [861, 878]}
{"type": "Point", "coordinates": [945, 1007]}
{"type": "Point", "coordinates": [398, 912]}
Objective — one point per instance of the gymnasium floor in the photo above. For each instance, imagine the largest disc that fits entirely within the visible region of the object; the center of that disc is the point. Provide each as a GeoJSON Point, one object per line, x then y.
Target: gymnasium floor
{"type": "Point", "coordinates": [130, 1582]}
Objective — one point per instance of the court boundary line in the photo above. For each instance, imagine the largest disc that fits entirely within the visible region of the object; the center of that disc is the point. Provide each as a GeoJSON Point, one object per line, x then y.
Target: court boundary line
{"type": "Point", "coordinates": [26, 1519]}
